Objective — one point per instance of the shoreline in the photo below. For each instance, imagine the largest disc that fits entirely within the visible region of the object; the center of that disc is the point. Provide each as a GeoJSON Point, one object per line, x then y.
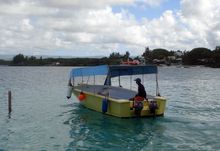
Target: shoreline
{"type": "Point", "coordinates": [162, 66]}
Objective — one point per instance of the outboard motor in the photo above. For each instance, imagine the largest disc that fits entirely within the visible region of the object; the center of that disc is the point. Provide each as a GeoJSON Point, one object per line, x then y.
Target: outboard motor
{"type": "Point", "coordinates": [153, 106]}
{"type": "Point", "coordinates": [138, 105]}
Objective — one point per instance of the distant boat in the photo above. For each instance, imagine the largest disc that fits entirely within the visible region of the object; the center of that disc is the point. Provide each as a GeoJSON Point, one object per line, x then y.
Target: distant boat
{"type": "Point", "coordinates": [133, 62]}
{"type": "Point", "coordinates": [114, 100]}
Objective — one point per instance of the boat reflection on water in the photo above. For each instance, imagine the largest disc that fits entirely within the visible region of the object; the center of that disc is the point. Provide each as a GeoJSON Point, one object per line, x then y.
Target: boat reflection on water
{"type": "Point", "coordinates": [96, 131]}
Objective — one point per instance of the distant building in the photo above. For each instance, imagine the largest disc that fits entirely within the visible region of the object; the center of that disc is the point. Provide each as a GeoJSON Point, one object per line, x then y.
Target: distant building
{"type": "Point", "coordinates": [171, 57]}
{"type": "Point", "coordinates": [178, 54]}
{"type": "Point", "coordinates": [55, 64]}
{"type": "Point", "coordinates": [217, 48]}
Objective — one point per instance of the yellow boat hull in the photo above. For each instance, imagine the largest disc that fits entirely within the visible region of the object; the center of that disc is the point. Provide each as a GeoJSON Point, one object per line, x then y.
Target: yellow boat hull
{"type": "Point", "coordinates": [120, 107]}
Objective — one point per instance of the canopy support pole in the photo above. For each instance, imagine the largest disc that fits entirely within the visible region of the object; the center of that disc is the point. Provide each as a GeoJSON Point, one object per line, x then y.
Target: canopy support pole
{"type": "Point", "coordinates": [157, 86]}
{"type": "Point", "coordinates": [94, 82]}
{"type": "Point", "coordinates": [88, 80]}
{"type": "Point", "coordinates": [82, 76]}
{"type": "Point", "coordinates": [119, 81]}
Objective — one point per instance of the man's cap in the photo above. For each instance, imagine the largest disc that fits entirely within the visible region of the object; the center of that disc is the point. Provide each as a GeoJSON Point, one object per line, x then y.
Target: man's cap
{"type": "Point", "coordinates": [137, 80]}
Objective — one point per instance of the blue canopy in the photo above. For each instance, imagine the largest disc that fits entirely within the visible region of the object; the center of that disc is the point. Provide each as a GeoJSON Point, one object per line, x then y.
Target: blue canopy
{"type": "Point", "coordinates": [123, 70]}
{"type": "Point", "coordinates": [113, 71]}
{"type": "Point", "coordinates": [87, 71]}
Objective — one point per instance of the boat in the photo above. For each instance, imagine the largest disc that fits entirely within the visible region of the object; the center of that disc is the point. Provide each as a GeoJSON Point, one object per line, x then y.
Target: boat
{"type": "Point", "coordinates": [114, 100]}
{"type": "Point", "coordinates": [133, 62]}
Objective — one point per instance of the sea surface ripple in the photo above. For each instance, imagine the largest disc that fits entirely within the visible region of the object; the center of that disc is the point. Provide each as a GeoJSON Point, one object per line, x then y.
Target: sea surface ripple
{"type": "Point", "coordinates": [43, 119]}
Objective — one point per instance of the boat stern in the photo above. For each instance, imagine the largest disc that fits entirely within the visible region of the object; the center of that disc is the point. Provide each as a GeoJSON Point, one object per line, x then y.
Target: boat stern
{"type": "Point", "coordinates": [161, 105]}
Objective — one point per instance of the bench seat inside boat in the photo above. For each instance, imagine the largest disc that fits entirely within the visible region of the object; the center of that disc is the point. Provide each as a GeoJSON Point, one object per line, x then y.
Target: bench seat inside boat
{"type": "Point", "coordinates": [113, 92]}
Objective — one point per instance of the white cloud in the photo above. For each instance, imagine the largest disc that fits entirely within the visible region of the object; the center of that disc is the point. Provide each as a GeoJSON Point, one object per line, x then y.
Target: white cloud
{"type": "Point", "coordinates": [88, 27]}
{"type": "Point", "coordinates": [203, 20]}
{"type": "Point", "coordinates": [25, 25]}
{"type": "Point", "coordinates": [85, 3]}
{"type": "Point", "coordinates": [153, 3]}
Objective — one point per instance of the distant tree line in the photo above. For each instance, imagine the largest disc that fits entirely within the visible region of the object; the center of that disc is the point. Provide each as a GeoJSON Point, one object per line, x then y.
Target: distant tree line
{"type": "Point", "coordinates": [202, 56]}
{"type": "Point", "coordinates": [197, 56]}
{"type": "Point", "coordinates": [4, 62]}
{"type": "Point", "coordinates": [21, 60]}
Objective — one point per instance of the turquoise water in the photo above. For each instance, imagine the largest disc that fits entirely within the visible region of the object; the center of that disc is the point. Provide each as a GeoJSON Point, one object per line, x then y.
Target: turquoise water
{"type": "Point", "coordinates": [43, 119]}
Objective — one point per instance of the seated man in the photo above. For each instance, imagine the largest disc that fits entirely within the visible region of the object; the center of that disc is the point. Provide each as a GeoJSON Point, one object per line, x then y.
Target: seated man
{"type": "Point", "coordinates": [141, 89]}
{"type": "Point", "coordinates": [139, 98]}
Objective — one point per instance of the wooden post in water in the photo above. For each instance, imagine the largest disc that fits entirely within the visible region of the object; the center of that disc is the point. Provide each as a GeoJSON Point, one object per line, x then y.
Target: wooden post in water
{"type": "Point", "coordinates": [9, 102]}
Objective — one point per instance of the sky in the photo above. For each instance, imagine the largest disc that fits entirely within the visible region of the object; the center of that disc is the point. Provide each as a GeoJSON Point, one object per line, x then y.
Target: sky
{"type": "Point", "coordinates": [100, 27]}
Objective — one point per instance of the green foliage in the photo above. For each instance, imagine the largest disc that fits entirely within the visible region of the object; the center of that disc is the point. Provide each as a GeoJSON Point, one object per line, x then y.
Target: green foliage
{"type": "Point", "coordinates": [197, 56]}
{"type": "Point", "coordinates": [126, 56]}
{"type": "Point", "coordinates": [216, 58]}
{"type": "Point", "coordinates": [18, 60]}
{"type": "Point", "coordinates": [4, 62]}
{"type": "Point", "coordinates": [147, 55]}
{"type": "Point", "coordinates": [160, 53]}
{"type": "Point", "coordinates": [21, 60]}
{"type": "Point", "coordinates": [115, 55]}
